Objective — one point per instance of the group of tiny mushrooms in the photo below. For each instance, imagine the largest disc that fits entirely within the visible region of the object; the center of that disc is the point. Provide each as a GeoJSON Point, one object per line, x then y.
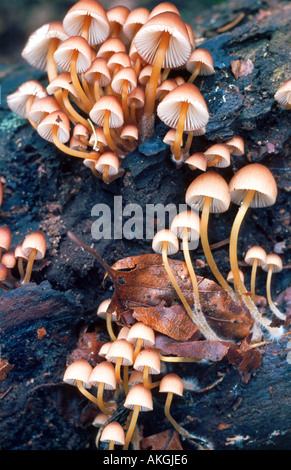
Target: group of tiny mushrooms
{"type": "Point", "coordinates": [109, 74]}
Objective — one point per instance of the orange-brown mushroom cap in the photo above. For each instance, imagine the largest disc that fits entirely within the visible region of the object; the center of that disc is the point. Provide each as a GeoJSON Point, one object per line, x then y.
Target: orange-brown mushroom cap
{"type": "Point", "coordinates": [204, 57]}
{"type": "Point", "coordinates": [35, 240]}
{"type": "Point", "coordinates": [5, 237]}
{"type": "Point", "coordinates": [256, 253]}
{"type": "Point", "coordinates": [65, 51]}
{"type": "Point", "coordinates": [111, 103]}
{"type": "Point", "coordinates": [113, 431]}
{"type": "Point", "coordinates": [208, 184]}
{"type": "Point", "coordinates": [219, 152]}
{"type": "Point", "coordinates": [59, 119]}
{"type": "Point", "coordinates": [172, 383]}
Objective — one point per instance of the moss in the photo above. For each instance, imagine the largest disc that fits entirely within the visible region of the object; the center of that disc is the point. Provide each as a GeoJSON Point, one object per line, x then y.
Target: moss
{"type": "Point", "coordinates": [11, 122]}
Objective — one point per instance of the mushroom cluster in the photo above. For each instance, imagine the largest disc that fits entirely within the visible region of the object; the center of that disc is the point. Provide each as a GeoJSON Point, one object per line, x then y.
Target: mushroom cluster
{"type": "Point", "coordinates": [129, 363]}
{"type": "Point", "coordinates": [16, 264]}
{"type": "Point", "coordinates": [253, 186]}
{"type": "Point", "coordinates": [109, 73]}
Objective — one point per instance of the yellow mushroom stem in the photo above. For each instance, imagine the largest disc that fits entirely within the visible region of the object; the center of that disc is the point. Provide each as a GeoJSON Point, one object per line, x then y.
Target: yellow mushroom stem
{"type": "Point", "coordinates": [97, 92]}
{"type": "Point", "coordinates": [118, 365]}
{"type": "Point", "coordinates": [156, 70]}
{"type": "Point", "coordinates": [137, 348]}
{"type": "Point", "coordinates": [109, 326]}
{"type": "Point", "coordinates": [51, 67]}
{"type": "Point", "coordinates": [133, 111]}
{"type": "Point", "coordinates": [75, 153]}
{"type": "Point", "coordinates": [131, 426]}
{"type": "Point", "coordinates": [177, 359]}
{"type": "Point", "coordinates": [88, 90]}
{"type": "Point", "coordinates": [238, 283]}
{"type": "Point", "coordinates": [76, 117]}
{"type": "Point", "coordinates": [165, 74]}
{"type": "Point", "coordinates": [207, 250]}
{"type": "Point", "coordinates": [175, 284]}
{"type": "Point", "coordinates": [214, 161]}
{"type": "Point", "coordinates": [107, 134]}
{"type": "Point", "coordinates": [105, 174]}
{"type": "Point", "coordinates": [29, 266]}
{"type": "Point", "coordinates": [273, 307]}
{"type": "Point", "coordinates": [168, 415]}
{"type": "Point", "coordinates": [180, 130]}
{"type": "Point", "coordinates": [195, 72]}
{"type": "Point", "coordinates": [200, 320]}
{"type": "Point", "coordinates": [111, 445]}
{"type": "Point", "coordinates": [147, 379]}
{"type": "Point", "coordinates": [124, 95]}
{"type": "Point", "coordinates": [85, 392]}
{"type": "Point", "coordinates": [76, 82]}
{"type": "Point", "coordinates": [101, 404]}
{"type": "Point", "coordinates": [253, 278]}
{"type": "Point", "coordinates": [188, 142]}
{"type": "Point", "coordinates": [137, 65]}
{"type": "Point", "coordinates": [86, 27]}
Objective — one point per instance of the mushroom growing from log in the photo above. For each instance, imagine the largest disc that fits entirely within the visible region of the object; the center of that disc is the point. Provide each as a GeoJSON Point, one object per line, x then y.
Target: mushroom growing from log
{"type": "Point", "coordinates": [34, 247]}
{"type": "Point", "coordinates": [273, 264]}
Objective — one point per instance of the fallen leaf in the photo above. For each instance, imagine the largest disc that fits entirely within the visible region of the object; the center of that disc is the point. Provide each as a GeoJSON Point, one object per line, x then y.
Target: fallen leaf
{"type": "Point", "coordinates": [166, 440]}
{"type": "Point", "coordinates": [5, 368]}
{"type": "Point", "coordinates": [241, 68]}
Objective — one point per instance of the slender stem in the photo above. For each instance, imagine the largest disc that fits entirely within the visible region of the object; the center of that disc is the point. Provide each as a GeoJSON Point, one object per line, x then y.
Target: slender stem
{"type": "Point", "coordinates": [76, 117]}
{"type": "Point", "coordinates": [109, 326]}
{"type": "Point", "coordinates": [133, 111]}
{"type": "Point", "coordinates": [76, 82]}
{"type": "Point", "coordinates": [147, 380]}
{"type": "Point", "coordinates": [68, 150]}
{"type": "Point", "coordinates": [107, 134]}
{"type": "Point", "coordinates": [86, 27]}
{"type": "Point", "coordinates": [20, 268]}
{"type": "Point", "coordinates": [111, 445]}
{"type": "Point", "coordinates": [156, 70]}
{"type": "Point", "coordinates": [85, 392]}
{"type": "Point", "coordinates": [27, 109]}
{"type": "Point", "coordinates": [180, 130]}
{"type": "Point", "coordinates": [238, 283]}
{"type": "Point", "coordinates": [124, 101]}
{"type": "Point", "coordinates": [273, 307]}
{"type": "Point", "coordinates": [207, 250]}
{"type": "Point", "coordinates": [253, 279]}
{"type": "Point", "coordinates": [97, 87]}
{"type": "Point", "coordinates": [118, 365]}
{"type": "Point", "coordinates": [29, 266]}
{"type": "Point", "coordinates": [178, 359]}
{"type": "Point", "coordinates": [100, 402]}
{"type": "Point", "coordinates": [175, 284]}
{"type": "Point", "coordinates": [188, 142]}
{"type": "Point", "coordinates": [167, 411]}
{"type": "Point", "coordinates": [125, 379]}
{"type": "Point", "coordinates": [137, 348]}
{"type": "Point", "coordinates": [51, 67]}
{"type": "Point", "coordinates": [195, 72]}
{"type": "Point", "coordinates": [105, 174]}
{"type": "Point", "coordinates": [201, 322]}
{"type": "Point", "coordinates": [131, 427]}
{"type": "Point", "coordinates": [87, 90]}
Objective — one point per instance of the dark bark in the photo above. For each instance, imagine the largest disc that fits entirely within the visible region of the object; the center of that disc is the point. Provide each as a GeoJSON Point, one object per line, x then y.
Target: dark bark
{"type": "Point", "coordinates": [42, 322]}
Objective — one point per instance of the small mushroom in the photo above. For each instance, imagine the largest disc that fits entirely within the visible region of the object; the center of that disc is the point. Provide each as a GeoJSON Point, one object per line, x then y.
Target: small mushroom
{"type": "Point", "coordinates": [20, 256]}
{"type": "Point", "coordinates": [102, 312]}
{"type": "Point", "coordinates": [78, 374]}
{"type": "Point", "coordinates": [273, 264]}
{"type": "Point", "coordinates": [103, 377]}
{"type": "Point", "coordinates": [140, 335]}
{"type": "Point", "coordinates": [218, 155]}
{"type": "Point", "coordinates": [98, 75]}
{"type": "Point", "coordinates": [3, 275]}
{"type": "Point", "coordinates": [183, 109]}
{"type": "Point", "coordinates": [108, 165]}
{"type": "Point", "coordinates": [123, 83]}
{"type": "Point", "coordinates": [200, 62]}
{"type": "Point", "coordinates": [121, 353]}
{"type": "Point", "coordinates": [251, 186]}
{"type": "Point", "coordinates": [148, 362]}
{"type": "Point", "coordinates": [236, 146]}
{"type": "Point", "coordinates": [197, 161]}
{"type": "Point", "coordinates": [283, 95]}
{"type": "Point", "coordinates": [255, 256]}
{"type": "Point", "coordinates": [34, 247]}
{"type": "Point", "coordinates": [21, 100]}
{"type": "Point", "coordinates": [5, 239]}
{"type": "Point", "coordinates": [139, 398]}
{"type": "Point", "coordinates": [113, 433]}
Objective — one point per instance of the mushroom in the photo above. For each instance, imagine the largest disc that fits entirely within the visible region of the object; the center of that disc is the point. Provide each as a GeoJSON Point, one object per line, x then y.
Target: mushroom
{"type": "Point", "coordinates": [123, 83]}
{"type": "Point", "coordinates": [110, 47]}
{"type": "Point", "coordinates": [209, 193]}
{"type": "Point", "coordinates": [78, 374]}
{"type": "Point", "coordinates": [236, 146]}
{"type": "Point", "coordinates": [41, 46]}
{"type": "Point", "coordinates": [218, 155]}
{"type": "Point", "coordinates": [117, 61]}
{"type": "Point", "coordinates": [197, 161]}
{"type": "Point", "coordinates": [140, 335]}
{"type": "Point", "coordinates": [134, 21]}
{"type": "Point", "coordinates": [135, 101]}
{"type": "Point", "coordinates": [172, 384]}
{"type": "Point", "coordinates": [98, 75]}
{"type": "Point", "coordinates": [148, 362]}
{"type": "Point", "coordinates": [162, 41]}
{"type": "Point", "coordinates": [103, 377]}
{"type": "Point", "coordinates": [183, 109]}
{"type": "Point", "coordinates": [21, 100]}
{"type": "Point", "coordinates": [166, 242]}
{"type": "Point", "coordinates": [230, 277]}
{"type": "Point", "coordinates": [114, 434]}
{"type": "Point", "coordinates": [186, 225]}
{"type": "Point", "coordinates": [5, 239]}
{"type": "Point", "coordinates": [273, 264]}
{"type": "Point", "coordinates": [200, 62]}
{"type": "Point", "coordinates": [34, 247]}
{"type": "Point", "coordinates": [20, 256]}
{"type": "Point", "coordinates": [74, 55]}
{"type": "Point", "coordinates": [108, 165]}
{"type": "Point", "coordinates": [63, 84]}
{"type": "Point", "coordinates": [255, 256]}
{"type": "Point", "coordinates": [117, 17]}
{"type": "Point", "coordinates": [283, 95]}
{"type": "Point", "coordinates": [139, 398]}
{"type": "Point", "coordinates": [102, 312]}
{"type": "Point", "coordinates": [42, 107]}
{"type": "Point", "coordinates": [89, 19]}
{"type": "Point", "coordinates": [165, 87]}
{"type": "Point", "coordinates": [251, 186]}
{"type": "Point", "coordinates": [130, 135]}
{"type": "Point", "coordinates": [121, 353]}
{"type": "Point", "coordinates": [9, 259]}
{"type": "Point", "coordinates": [107, 112]}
